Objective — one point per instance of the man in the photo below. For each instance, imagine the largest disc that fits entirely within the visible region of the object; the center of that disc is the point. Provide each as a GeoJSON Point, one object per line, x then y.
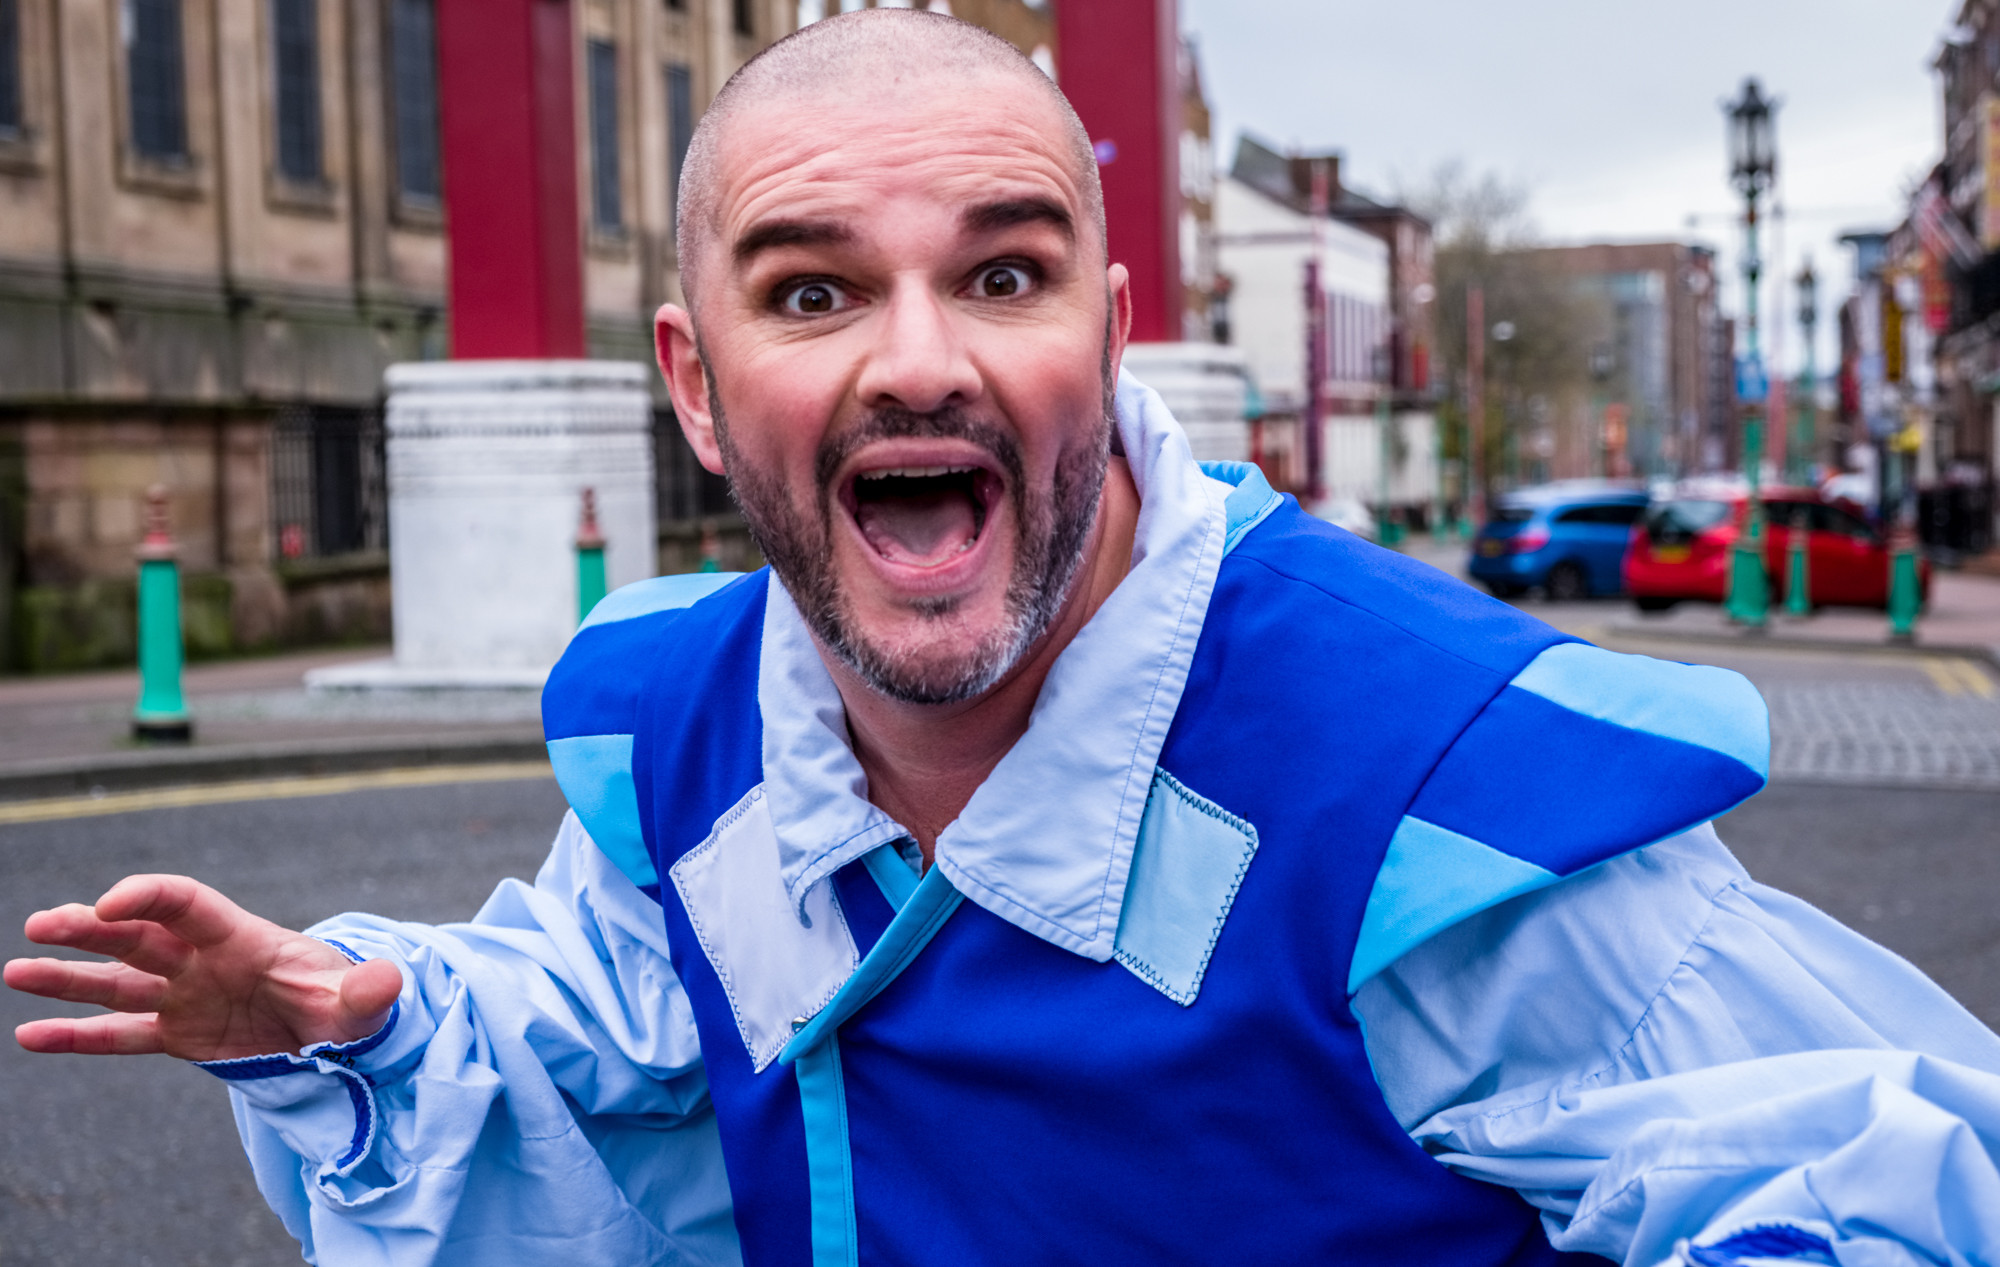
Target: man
{"type": "Point", "coordinates": [1010, 874]}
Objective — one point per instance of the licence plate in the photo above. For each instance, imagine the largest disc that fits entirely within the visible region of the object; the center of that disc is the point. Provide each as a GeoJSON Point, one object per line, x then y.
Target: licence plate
{"type": "Point", "coordinates": [1491, 548]}
{"type": "Point", "coordinates": [1670, 554]}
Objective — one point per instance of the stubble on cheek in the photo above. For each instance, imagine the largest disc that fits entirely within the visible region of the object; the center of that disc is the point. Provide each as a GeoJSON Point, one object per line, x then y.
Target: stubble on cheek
{"type": "Point", "coordinates": [941, 657]}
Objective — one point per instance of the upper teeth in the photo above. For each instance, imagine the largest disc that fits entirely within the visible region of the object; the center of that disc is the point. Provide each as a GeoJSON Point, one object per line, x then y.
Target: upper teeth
{"type": "Point", "coordinates": [918, 472]}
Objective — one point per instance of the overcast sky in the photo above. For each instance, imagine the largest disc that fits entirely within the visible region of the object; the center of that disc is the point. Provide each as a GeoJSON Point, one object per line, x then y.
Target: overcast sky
{"type": "Point", "coordinates": [1607, 111]}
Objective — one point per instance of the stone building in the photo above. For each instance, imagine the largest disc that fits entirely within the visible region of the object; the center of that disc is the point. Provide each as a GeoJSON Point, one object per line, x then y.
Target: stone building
{"type": "Point", "coordinates": [220, 221]}
{"type": "Point", "coordinates": [1653, 408]}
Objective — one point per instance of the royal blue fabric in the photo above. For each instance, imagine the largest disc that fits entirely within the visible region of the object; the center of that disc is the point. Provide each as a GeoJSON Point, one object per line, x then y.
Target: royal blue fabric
{"type": "Point", "coordinates": [1562, 790]}
{"type": "Point", "coordinates": [1008, 1100]}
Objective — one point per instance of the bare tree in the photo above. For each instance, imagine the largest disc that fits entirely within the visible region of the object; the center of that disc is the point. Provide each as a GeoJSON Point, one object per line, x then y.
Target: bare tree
{"type": "Point", "coordinates": [1538, 322]}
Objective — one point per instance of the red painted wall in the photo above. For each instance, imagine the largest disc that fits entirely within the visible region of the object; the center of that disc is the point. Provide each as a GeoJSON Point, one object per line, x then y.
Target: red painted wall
{"type": "Point", "coordinates": [508, 130]}
{"type": "Point", "coordinates": [1118, 63]}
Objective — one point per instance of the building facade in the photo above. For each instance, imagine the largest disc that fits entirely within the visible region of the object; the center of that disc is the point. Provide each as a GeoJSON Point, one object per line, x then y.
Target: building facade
{"type": "Point", "coordinates": [220, 221]}
{"type": "Point", "coordinates": [1376, 290]}
{"type": "Point", "coordinates": [1655, 406]}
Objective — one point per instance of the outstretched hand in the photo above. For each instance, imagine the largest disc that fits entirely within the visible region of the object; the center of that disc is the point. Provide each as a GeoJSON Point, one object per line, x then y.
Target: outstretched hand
{"type": "Point", "coordinates": [196, 976]}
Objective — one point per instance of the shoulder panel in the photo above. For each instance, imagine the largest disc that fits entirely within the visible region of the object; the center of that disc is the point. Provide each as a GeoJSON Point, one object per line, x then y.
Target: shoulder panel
{"type": "Point", "coordinates": [1584, 755]}
{"type": "Point", "coordinates": [589, 708]}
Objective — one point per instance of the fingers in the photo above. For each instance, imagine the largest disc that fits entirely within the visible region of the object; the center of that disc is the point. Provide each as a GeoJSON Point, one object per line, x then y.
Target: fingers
{"type": "Point", "coordinates": [367, 991]}
{"type": "Point", "coordinates": [111, 985]}
{"type": "Point", "coordinates": [185, 907]}
{"type": "Point", "coordinates": [147, 947]}
{"type": "Point", "coordinates": [114, 1035]}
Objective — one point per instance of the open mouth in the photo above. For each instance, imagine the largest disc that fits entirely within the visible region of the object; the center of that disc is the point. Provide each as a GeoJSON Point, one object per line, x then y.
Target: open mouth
{"type": "Point", "coordinates": [922, 516]}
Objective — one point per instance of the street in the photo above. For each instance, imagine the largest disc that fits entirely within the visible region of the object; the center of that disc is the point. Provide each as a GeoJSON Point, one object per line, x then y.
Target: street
{"type": "Point", "coordinates": [135, 1160]}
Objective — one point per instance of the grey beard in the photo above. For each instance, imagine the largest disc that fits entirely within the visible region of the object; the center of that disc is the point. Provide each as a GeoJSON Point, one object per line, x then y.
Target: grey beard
{"type": "Point", "coordinates": [1054, 531]}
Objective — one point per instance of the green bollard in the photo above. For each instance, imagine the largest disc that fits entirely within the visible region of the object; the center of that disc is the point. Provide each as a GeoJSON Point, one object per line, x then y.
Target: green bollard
{"type": "Point", "coordinates": [1749, 587]}
{"type": "Point", "coordinates": [161, 715]}
{"type": "Point", "coordinates": [590, 580]}
{"type": "Point", "coordinates": [1905, 591]}
{"type": "Point", "coordinates": [1798, 576]}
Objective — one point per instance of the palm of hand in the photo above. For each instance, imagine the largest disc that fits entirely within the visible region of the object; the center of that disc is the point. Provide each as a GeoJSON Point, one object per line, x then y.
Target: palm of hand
{"type": "Point", "coordinates": [196, 976]}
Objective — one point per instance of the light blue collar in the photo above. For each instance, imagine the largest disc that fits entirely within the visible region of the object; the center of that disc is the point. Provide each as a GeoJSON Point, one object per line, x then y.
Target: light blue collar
{"type": "Point", "coordinates": [1046, 842]}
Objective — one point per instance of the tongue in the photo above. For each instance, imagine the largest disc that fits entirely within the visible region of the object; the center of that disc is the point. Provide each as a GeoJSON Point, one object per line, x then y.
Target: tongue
{"type": "Point", "coordinates": [923, 529]}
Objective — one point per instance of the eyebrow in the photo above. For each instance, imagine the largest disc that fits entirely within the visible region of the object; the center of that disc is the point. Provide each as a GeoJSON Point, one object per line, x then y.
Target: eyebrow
{"type": "Point", "coordinates": [992, 216]}
{"type": "Point", "coordinates": [773, 234]}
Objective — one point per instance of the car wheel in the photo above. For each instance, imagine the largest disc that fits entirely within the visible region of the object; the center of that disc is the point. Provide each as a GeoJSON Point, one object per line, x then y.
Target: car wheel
{"type": "Point", "coordinates": [1650, 603]}
{"type": "Point", "coordinates": [1504, 589]}
{"type": "Point", "coordinates": [1568, 583]}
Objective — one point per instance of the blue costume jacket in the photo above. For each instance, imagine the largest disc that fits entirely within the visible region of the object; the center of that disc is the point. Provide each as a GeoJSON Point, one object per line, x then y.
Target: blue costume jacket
{"type": "Point", "coordinates": [1122, 1018]}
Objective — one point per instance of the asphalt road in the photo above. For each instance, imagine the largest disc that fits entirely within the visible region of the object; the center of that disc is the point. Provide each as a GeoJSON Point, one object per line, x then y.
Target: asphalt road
{"type": "Point", "coordinates": [136, 1162]}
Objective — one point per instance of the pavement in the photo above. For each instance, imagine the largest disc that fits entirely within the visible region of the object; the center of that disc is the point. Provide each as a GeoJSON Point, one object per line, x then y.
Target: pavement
{"type": "Point", "coordinates": [71, 733]}
{"type": "Point", "coordinates": [1846, 703]}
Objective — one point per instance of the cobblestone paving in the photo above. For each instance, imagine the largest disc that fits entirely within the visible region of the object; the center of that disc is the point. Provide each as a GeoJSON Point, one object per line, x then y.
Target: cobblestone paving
{"type": "Point", "coordinates": [1883, 733]}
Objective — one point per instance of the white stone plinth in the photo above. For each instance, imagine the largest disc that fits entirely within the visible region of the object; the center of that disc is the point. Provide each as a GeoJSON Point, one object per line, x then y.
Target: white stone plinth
{"type": "Point", "coordinates": [487, 462]}
{"type": "Point", "coordinates": [1205, 385]}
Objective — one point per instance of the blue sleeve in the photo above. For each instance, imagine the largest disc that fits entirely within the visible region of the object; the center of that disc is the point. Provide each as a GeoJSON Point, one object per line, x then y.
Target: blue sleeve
{"type": "Point", "coordinates": [1660, 1050]}
{"type": "Point", "coordinates": [538, 1095]}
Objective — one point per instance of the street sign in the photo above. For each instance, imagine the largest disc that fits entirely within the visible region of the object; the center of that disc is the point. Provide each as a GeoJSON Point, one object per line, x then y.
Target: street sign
{"type": "Point", "coordinates": [1751, 384]}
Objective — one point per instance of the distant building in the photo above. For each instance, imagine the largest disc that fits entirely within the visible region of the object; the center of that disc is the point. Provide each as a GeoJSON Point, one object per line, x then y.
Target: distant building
{"type": "Point", "coordinates": [1950, 248]}
{"type": "Point", "coordinates": [1375, 271]}
{"type": "Point", "coordinates": [1656, 406]}
{"type": "Point", "coordinates": [219, 223]}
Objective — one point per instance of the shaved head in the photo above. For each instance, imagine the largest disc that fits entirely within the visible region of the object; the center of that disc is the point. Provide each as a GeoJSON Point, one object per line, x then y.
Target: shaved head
{"type": "Point", "coordinates": [883, 55]}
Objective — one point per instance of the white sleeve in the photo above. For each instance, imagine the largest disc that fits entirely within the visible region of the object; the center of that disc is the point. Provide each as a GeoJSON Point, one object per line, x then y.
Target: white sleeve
{"type": "Point", "coordinates": [1662, 1050]}
{"type": "Point", "coordinates": [537, 1096]}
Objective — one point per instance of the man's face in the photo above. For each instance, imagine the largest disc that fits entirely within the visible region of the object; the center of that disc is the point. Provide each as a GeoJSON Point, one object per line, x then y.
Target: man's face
{"type": "Point", "coordinates": [909, 335]}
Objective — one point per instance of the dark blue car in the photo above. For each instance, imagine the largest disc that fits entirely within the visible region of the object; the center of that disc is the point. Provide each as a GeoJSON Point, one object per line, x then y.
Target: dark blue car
{"type": "Point", "coordinates": [1567, 539]}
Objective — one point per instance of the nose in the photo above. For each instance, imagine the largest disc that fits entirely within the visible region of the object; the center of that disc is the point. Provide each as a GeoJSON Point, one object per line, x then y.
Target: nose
{"type": "Point", "coordinates": [919, 359]}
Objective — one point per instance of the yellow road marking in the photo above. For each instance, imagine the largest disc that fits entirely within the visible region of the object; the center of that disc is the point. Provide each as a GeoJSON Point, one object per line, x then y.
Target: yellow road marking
{"type": "Point", "coordinates": [1942, 675]}
{"type": "Point", "coordinates": [1975, 678]}
{"type": "Point", "coordinates": [265, 790]}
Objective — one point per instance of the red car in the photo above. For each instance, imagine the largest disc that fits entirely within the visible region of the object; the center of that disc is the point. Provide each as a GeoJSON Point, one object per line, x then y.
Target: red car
{"type": "Point", "coordinates": [1681, 549]}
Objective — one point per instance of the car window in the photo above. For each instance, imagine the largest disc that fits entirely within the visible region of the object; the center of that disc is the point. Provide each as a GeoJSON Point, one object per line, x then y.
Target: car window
{"type": "Point", "coordinates": [1834, 519]}
{"type": "Point", "coordinates": [1783, 513]}
{"type": "Point", "coordinates": [1623, 514]}
{"type": "Point", "coordinates": [1680, 519]}
{"type": "Point", "coordinates": [1513, 514]}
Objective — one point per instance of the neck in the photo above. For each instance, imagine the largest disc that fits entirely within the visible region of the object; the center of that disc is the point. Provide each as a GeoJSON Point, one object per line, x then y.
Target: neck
{"type": "Point", "coordinates": [924, 761]}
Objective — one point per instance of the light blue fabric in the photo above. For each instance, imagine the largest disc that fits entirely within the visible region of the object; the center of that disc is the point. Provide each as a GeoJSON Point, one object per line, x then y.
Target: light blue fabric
{"type": "Point", "coordinates": [829, 1164]}
{"type": "Point", "coordinates": [1430, 879]}
{"type": "Point", "coordinates": [1250, 501]}
{"type": "Point", "coordinates": [656, 594]}
{"type": "Point", "coordinates": [542, 1084]}
{"type": "Point", "coordinates": [1655, 1048]}
{"type": "Point", "coordinates": [1660, 1048]}
{"type": "Point", "coordinates": [1191, 858]}
{"type": "Point", "coordinates": [595, 773]}
{"type": "Point", "coordinates": [892, 875]}
{"type": "Point", "coordinates": [1694, 703]}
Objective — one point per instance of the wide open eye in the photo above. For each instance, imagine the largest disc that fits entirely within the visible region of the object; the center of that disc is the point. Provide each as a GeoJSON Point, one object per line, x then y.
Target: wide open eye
{"type": "Point", "coordinates": [1002, 281]}
{"type": "Point", "coordinates": [814, 299]}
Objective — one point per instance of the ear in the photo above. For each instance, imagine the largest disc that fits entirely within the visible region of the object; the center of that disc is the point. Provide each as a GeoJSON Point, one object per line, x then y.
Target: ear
{"type": "Point", "coordinates": [687, 382]}
{"type": "Point", "coordinates": [1118, 285]}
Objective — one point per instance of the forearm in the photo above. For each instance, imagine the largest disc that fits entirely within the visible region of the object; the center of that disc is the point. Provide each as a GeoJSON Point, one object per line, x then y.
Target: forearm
{"type": "Point", "coordinates": [556, 1003]}
{"type": "Point", "coordinates": [1668, 1050]}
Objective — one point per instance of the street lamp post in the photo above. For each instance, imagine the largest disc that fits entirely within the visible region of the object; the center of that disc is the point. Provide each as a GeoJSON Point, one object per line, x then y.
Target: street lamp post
{"type": "Point", "coordinates": [1388, 531]}
{"type": "Point", "coordinates": [1798, 454]}
{"type": "Point", "coordinates": [1753, 163]}
{"type": "Point", "coordinates": [1602, 362]}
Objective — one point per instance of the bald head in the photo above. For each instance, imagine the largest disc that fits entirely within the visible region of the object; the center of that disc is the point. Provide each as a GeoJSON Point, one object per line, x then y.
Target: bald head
{"type": "Point", "coordinates": [887, 56]}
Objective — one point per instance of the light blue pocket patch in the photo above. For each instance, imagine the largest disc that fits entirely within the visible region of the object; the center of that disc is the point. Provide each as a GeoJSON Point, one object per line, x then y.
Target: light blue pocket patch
{"type": "Point", "coordinates": [1189, 861]}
